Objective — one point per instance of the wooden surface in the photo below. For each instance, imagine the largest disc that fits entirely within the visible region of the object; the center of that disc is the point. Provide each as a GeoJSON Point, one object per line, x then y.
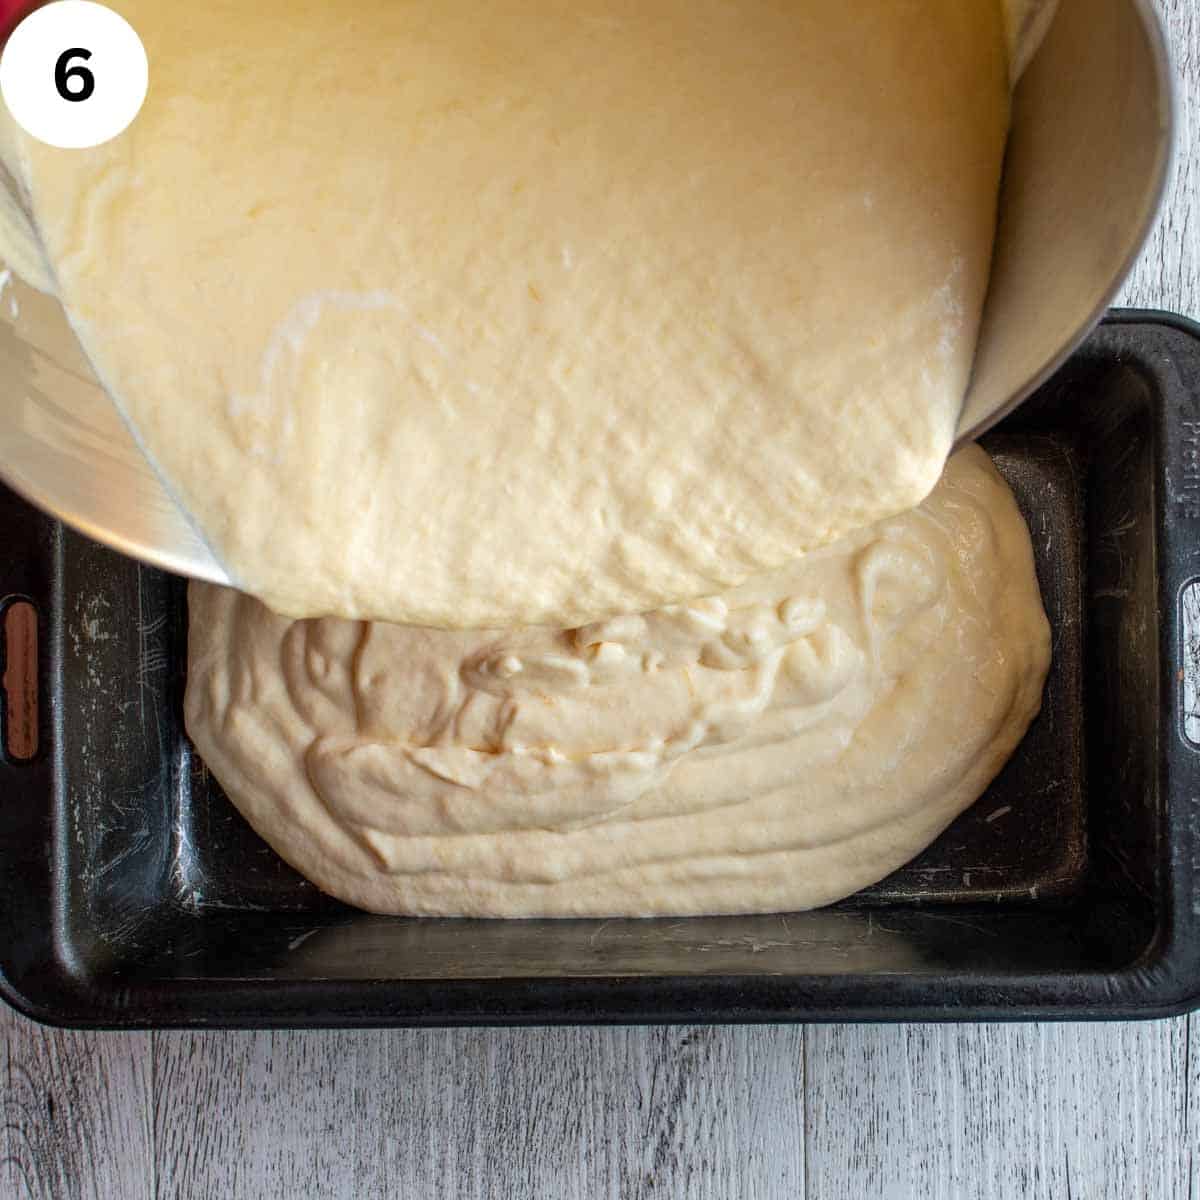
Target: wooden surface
{"type": "Point", "coordinates": [948, 1113]}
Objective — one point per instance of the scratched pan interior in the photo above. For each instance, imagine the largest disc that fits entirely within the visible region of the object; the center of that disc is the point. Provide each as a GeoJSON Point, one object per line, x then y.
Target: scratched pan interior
{"type": "Point", "coordinates": [131, 893]}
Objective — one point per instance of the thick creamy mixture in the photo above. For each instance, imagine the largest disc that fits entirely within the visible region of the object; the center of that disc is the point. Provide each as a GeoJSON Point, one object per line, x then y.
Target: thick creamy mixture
{"type": "Point", "coordinates": [535, 314]}
{"type": "Point", "coordinates": [776, 747]}
{"type": "Point", "coordinates": [535, 311]}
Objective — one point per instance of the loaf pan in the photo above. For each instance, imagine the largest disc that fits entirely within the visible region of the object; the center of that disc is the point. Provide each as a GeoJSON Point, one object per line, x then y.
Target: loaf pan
{"type": "Point", "coordinates": [133, 895]}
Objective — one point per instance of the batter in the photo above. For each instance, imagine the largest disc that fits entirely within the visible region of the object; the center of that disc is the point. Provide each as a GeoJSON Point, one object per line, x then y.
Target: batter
{"type": "Point", "coordinates": [774, 748]}
{"type": "Point", "coordinates": [531, 315]}
{"type": "Point", "coordinates": [535, 311]}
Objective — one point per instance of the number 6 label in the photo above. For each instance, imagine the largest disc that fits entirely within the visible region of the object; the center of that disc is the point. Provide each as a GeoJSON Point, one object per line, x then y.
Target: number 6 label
{"type": "Point", "coordinates": [74, 74]}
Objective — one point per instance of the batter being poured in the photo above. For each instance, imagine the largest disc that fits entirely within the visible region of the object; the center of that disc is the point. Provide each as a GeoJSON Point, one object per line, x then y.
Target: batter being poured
{"type": "Point", "coordinates": [776, 747]}
{"type": "Point", "coordinates": [472, 330]}
{"type": "Point", "coordinates": [535, 312]}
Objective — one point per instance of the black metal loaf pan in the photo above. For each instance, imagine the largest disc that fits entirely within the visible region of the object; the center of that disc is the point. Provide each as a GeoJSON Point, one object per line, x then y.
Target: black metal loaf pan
{"type": "Point", "coordinates": [131, 893]}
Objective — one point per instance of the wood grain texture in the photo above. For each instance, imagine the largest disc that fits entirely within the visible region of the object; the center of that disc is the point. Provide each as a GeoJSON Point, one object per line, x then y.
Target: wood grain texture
{"type": "Point", "coordinates": [1168, 273]}
{"type": "Point", "coordinates": [74, 1114]}
{"type": "Point", "coordinates": [573, 1114]}
{"type": "Point", "coordinates": [835, 1113]}
{"type": "Point", "coordinates": [259, 1114]}
{"type": "Point", "coordinates": [1002, 1112]}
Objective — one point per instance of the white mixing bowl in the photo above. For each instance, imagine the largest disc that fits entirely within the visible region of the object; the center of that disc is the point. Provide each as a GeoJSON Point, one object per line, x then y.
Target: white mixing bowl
{"type": "Point", "coordinates": [1087, 166]}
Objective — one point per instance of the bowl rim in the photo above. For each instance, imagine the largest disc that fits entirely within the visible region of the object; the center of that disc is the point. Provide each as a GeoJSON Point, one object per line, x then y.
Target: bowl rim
{"type": "Point", "coordinates": [1165, 164]}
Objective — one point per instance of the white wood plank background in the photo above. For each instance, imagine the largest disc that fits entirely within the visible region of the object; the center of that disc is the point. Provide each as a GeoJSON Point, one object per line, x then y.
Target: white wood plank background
{"type": "Point", "coordinates": [827, 1113]}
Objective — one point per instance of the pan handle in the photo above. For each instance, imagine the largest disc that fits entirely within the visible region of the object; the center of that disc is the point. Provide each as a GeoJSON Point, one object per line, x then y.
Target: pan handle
{"type": "Point", "coordinates": [30, 547]}
{"type": "Point", "coordinates": [1178, 564]}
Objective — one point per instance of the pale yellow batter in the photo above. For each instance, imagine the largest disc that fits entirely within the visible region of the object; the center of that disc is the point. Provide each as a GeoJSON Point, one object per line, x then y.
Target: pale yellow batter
{"type": "Point", "coordinates": [535, 310]}
{"type": "Point", "coordinates": [774, 748]}
{"type": "Point", "coordinates": [538, 313]}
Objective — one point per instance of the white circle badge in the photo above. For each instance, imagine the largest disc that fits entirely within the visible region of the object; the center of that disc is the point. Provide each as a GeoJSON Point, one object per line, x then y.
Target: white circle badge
{"type": "Point", "coordinates": [74, 74]}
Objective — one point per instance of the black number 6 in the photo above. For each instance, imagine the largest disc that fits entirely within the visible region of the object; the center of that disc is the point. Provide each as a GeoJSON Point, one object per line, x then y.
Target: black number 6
{"type": "Point", "coordinates": [63, 74]}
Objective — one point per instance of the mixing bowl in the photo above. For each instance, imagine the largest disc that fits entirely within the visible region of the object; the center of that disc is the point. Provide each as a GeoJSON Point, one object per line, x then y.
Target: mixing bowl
{"type": "Point", "coordinates": [1087, 165]}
